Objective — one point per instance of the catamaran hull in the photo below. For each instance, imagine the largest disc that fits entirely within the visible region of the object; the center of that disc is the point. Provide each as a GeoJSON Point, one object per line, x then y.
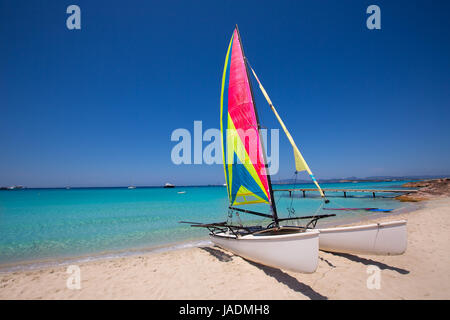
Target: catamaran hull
{"type": "Point", "coordinates": [297, 252]}
{"type": "Point", "coordinates": [389, 238]}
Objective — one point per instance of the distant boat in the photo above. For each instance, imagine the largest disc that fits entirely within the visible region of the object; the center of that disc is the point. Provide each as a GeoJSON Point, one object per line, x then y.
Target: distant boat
{"type": "Point", "coordinates": [169, 185]}
{"type": "Point", "coordinates": [181, 192]}
{"type": "Point", "coordinates": [14, 188]}
{"type": "Point", "coordinates": [131, 187]}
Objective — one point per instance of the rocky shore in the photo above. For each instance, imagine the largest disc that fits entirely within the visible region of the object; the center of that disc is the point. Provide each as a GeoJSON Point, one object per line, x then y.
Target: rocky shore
{"type": "Point", "coordinates": [428, 190]}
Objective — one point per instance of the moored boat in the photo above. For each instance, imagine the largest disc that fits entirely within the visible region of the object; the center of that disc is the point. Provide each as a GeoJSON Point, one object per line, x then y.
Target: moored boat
{"type": "Point", "coordinates": [387, 238]}
{"type": "Point", "coordinates": [248, 181]}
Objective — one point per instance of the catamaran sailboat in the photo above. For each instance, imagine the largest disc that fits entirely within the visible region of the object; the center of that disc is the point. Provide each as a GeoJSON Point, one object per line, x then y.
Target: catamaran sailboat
{"type": "Point", "coordinates": [389, 238]}
{"type": "Point", "coordinates": [248, 182]}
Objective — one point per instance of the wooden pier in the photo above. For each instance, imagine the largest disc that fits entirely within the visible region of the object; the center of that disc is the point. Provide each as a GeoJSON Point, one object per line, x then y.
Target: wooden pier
{"type": "Point", "coordinates": [373, 191]}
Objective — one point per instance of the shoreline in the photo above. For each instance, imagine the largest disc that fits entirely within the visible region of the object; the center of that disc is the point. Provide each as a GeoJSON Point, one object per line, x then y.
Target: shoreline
{"type": "Point", "coordinates": [38, 264]}
{"type": "Point", "coordinates": [420, 273]}
{"type": "Point", "coordinates": [20, 254]}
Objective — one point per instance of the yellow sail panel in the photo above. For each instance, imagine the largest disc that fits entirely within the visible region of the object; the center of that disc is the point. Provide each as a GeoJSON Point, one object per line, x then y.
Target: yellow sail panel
{"type": "Point", "coordinates": [300, 163]}
{"type": "Point", "coordinates": [244, 196]}
{"type": "Point", "coordinates": [224, 113]}
{"type": "Point", "coordinates": [243, 176]}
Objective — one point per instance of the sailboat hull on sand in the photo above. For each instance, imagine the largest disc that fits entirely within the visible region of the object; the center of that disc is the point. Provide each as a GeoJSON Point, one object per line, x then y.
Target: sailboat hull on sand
{"type": "Point", "coordinates": [248, 181]}
{"type": "Point", "coordinates": [388, 238]}
{"type": "Point", "coordinates": [298, 252]}
{"type": "Point", "coordinates": [382, 239]}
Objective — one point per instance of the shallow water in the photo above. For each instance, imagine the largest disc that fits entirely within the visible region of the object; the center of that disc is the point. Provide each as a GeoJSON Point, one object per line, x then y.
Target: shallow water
{"type": "Point", "coordinates": [40, 224]}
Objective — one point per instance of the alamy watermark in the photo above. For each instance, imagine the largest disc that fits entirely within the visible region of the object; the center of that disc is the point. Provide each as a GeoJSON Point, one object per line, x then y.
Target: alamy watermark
{"type": "Point", "coordinates": [374, 280]}
{"type": "Point", "coordinates": [73, 21]}
{"type": "Point", "coordinates": [374, 20]}
{"type": "Point", "coordinates": [241, 147]}
{"type": "Point", "coordinates": [74, 280]}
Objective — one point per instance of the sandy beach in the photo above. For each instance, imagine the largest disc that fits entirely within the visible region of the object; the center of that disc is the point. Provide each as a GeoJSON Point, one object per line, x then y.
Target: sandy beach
{"type": "Point", "coordinates": [187, 153]}
{"type": "Point", "coordinates": [211, 273]}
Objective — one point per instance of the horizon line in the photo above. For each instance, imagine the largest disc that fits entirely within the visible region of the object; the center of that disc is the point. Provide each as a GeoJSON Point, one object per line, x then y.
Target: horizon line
{"type": "Point", "coordinates": [280, 181]}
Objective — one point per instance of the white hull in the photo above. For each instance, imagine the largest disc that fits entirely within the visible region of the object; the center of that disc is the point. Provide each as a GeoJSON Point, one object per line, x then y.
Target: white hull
{"type": "Point", "coordinates": [297, 252]}
{"type": "Point", "coordinates": [389, 238]}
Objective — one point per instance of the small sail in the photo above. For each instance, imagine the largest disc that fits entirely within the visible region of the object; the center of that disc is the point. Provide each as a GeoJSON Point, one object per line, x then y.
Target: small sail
{"type": "Point", "coordinates": [244, 165]}
{"type": "Point", "coordinates": [300, 163]}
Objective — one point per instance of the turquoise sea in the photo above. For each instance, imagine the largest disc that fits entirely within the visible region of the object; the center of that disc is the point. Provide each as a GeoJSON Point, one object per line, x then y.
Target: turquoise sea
{"type": "Point", "coordinates": [50, 224]}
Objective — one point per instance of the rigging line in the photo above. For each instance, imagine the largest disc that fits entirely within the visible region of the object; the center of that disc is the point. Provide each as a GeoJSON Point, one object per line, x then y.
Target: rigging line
{"type": "Point", "coordinates": [230, 217]}
{"type": "Point", "coordinates": [293, 193]}
{"type": "Point", "coordinates": [318, 209]}
{"type": "Point", "coordinates": [277, 201]}
{"type": "Point", "coordinates": [292, 210]}
{"type": "Point", "coordinates": [239, 218]}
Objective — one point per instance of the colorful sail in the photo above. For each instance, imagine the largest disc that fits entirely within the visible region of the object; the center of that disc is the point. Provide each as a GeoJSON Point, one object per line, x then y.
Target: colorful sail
{"type": "Point", "coordinates": [300, 163]}
{"type": "Point", "coordinates": [244, 165]}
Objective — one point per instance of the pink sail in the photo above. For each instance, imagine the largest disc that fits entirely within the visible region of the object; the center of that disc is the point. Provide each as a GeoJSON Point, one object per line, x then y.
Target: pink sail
{"type": "Point", "coordinates": [246, 179]}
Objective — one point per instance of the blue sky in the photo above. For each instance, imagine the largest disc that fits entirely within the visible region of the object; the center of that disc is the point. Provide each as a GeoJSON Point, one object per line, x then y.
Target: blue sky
{"type": "Point", "coordinates": [97, 106]}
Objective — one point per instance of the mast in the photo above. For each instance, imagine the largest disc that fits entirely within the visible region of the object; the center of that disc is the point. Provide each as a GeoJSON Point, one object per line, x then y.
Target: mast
{"type": "Point", "coordinates": [272, 202]}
